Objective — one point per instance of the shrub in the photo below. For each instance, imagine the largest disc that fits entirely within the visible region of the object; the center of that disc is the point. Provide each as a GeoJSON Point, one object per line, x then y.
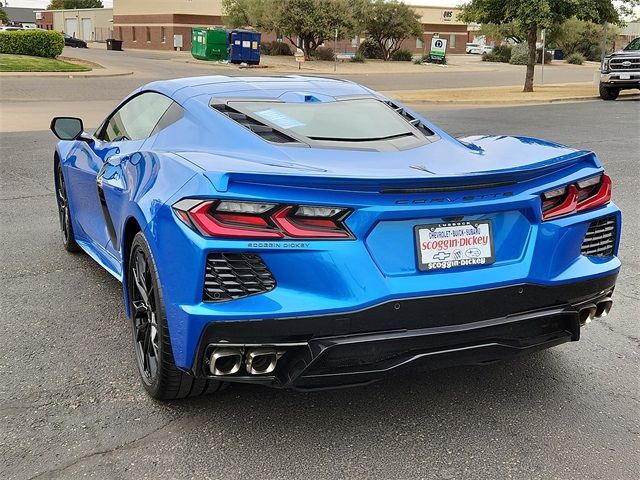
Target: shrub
{"type": "Point", "coordinates": [35, 42]}
{"type": "Point", "coordinates": [323, 53]}
{"type": "Point", "coordinates": [490, 57]}
{"type": "Point", "coordinates": [548, 56]}
{"type": "Point", "coordinates": [519, 54]}
{"type": "Point", "coordinates": [576, 59]}
{"type": "Point", "coordinates": [357, 58]}
{"type": "Point", "coordinates": [402, 56]}
{"type": "Point", "coordinates": [370, 49]}
{"type": "Point", "coordinates": [418, 60]}
{"type": "Point", "coordinates": [502, 53]}
{"type": "Point", "coordinates": [275, 48]}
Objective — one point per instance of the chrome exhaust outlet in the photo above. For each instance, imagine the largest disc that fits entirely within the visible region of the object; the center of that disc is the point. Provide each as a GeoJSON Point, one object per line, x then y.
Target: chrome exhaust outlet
{"type": "Point", "coordinates": [603, 308]}
{"type": "Point", "coordinates": [225, 361]}
{"type": "Point", "coordinates": [587, 314]}
{"type": "Point", "coordinates": [261, 361]}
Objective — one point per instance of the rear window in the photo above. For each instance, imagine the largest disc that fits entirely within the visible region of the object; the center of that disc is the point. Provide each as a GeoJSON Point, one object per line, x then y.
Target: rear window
{"type": "Point", "coordinates": [345, 120]}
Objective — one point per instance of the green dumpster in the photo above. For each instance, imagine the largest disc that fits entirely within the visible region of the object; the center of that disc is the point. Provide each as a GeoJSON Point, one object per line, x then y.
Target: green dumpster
{"type": "Point", "coordinates": [209, 43]}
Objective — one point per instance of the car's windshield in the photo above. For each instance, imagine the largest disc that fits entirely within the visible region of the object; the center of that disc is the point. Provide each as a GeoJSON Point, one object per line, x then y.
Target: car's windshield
{"type": "Point", "coordinates": [346, 120]}
{"type": "Point", "coordinates": [634, 45]}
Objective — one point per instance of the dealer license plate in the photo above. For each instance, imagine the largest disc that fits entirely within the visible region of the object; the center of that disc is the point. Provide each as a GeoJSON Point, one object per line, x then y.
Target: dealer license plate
{"type": "Point", "coordinates": [451, 245]}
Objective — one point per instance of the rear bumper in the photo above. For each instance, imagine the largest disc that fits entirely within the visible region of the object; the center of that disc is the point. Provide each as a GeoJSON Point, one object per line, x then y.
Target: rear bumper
{"type": "Point", "coordinates": [403, 335]}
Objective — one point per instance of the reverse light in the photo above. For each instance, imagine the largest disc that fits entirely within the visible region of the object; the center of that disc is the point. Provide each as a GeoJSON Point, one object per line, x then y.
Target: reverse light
{"type": "Point", "coordinates": [240, 219]}
{"type": "Point", "coordinates": [583, 195]}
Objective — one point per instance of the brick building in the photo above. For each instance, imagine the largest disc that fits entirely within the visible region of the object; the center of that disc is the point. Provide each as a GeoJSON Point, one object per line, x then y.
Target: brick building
{"type": "Point", "coordinates": [153, 24]}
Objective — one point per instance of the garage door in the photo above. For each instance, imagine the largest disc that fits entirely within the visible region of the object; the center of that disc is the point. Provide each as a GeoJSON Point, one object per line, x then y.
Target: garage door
{"type": "Point", "coordinates": [71, 27]}
{"type": "Point", "coordinates": [87, 29]}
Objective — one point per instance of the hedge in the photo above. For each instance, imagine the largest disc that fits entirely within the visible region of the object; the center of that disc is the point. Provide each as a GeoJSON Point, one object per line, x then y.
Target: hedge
{"type": "Point", "coordinates": [35, 42]}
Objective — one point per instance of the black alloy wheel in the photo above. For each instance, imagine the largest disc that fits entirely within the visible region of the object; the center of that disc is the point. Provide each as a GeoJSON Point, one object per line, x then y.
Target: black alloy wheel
{"type": "Point", "coordinates": [145, 326]}
{"type": "Point", "coordinates": [64, 214]}
{"type": "Point", "coordinates": [152, 344]}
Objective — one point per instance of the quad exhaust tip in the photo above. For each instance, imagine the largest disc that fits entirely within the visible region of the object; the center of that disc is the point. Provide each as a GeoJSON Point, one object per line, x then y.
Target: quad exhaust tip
{"type": "Point", "coordinates": [261, 361]}
{"type": "Point", "coordinates": [603, 308]}
{"type": "Point", "coordinates": [598, 310]}
{"type": "Point", "coordinates": [225, 361]}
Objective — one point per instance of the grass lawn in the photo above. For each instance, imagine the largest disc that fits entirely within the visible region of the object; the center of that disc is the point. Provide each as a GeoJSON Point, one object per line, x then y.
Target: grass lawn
{"type": "Point", "coordinates": [25, 63]}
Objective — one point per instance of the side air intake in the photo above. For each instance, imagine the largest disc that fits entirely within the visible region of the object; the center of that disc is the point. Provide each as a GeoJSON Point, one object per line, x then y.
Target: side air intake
{"type": "Point", "coordinates": [600, 238]}
{"type": "Point", "coordinates": [411, 119]}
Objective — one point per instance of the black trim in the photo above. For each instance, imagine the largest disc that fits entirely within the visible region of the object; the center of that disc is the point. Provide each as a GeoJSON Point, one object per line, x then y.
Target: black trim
{"type": "Point", "coordinates": [449, 188]}
{"type": "Point", "coordinates": [105, 209]}
{"type": "Point", "coordinates": [468, 328]}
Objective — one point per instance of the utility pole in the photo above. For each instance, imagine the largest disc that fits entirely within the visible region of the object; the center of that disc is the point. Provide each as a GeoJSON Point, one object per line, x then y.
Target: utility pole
{"type": "Point", "coordinates": [335, 51]}
{"type": "Point", "coordinates": [603, 45]}
{"type": "Point", "coordinates": [544, 30]}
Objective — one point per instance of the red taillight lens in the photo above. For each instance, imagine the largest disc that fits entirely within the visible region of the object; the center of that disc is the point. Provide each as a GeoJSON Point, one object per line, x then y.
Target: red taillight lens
{"type": "Point", "coordinates": [238, 219]}
{"type": "Point", "coordinates": [583, 195]}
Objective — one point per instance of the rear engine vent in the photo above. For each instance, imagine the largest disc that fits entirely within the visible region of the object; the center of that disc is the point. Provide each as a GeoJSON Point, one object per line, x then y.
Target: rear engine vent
{"type": "Point", "coordinates": [265, 131]}
{"type": "Point", "coordinates": [600, 238]}
{"type": "Point", "coordinates": [235, 275]}
{"type": "Point", "coordinates": [411, 119]}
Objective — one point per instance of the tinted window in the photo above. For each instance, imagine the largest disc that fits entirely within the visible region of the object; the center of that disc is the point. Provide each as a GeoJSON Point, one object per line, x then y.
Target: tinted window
{"type": "Point", "coordinates": [137, 118]}
{"type": "Point", "coordinates": [634, 45]}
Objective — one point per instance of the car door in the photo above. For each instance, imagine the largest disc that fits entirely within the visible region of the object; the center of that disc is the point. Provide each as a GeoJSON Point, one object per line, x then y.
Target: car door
{"type": "Point", "coordinates": [122, 134]}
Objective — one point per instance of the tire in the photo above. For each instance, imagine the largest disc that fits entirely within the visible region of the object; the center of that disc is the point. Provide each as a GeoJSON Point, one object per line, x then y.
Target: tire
{"type": "Point", "coordinates": [152, 345]}
{"type": "Point", "coordinates": [64, 213]}
{"type": "Point", "coordinates": [607, 93]}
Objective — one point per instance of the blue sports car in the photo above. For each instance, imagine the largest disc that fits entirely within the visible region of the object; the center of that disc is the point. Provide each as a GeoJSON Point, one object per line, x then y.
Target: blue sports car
{"type": "Point", "coordinates": [311, 233]}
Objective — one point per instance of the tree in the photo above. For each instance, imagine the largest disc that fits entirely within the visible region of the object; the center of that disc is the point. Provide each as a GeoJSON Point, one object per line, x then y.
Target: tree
{"type": "Point", "coordinates": [305, 23]}
{"type": "Point", "coordinates": [4, 18]}
{"type": "Point", "coordinates": [531, 15]}
{"type": "Point", "coordinates": [247, 13]}
{"type": "Point", "coordinates": [388, 23]}
{"type": "Point", "coordinates": [62, 4]}
{"type": "Point", "coordinates": [500, 33]}
{"type": "Point", "coordinates": [580, 36]}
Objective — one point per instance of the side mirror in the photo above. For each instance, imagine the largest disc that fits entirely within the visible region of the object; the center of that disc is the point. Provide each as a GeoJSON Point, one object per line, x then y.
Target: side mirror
{"type": "Point", "coordinates": [67, 128]}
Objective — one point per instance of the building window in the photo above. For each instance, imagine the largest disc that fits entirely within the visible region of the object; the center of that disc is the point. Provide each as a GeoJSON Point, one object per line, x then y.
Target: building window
{"type": "Point", "coordinates": [419, 43]}
{"type": "Point", "coordinates": [354, 41]}
{"type": "Point", "coordinates": [148, 34]}
{"type": "Point", "coordinates": [452, 41]}
{"type": "Point", "coordinates": [163, 34]}
{"type": "Point", "coordinates": [133, 33]}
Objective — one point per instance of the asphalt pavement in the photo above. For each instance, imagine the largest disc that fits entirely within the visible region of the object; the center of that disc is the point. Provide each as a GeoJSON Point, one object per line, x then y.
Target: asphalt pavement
{"type": "Point", "coordinates": [71, 405]}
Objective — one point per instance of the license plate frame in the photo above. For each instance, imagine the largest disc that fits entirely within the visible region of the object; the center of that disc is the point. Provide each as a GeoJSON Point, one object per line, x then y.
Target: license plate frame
{"type": "Point", "coordinates": [469, 255]}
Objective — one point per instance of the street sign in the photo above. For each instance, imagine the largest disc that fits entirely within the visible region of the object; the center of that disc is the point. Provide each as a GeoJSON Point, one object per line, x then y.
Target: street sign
{"type": "Point", "coordinates": [299, 56]}
{"type": "Point", "coordinates": [438, 49]}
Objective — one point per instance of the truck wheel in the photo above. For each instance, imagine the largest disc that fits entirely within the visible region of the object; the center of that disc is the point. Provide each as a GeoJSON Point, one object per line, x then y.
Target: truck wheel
{"type": "Point", "coordinates": [608, 93]}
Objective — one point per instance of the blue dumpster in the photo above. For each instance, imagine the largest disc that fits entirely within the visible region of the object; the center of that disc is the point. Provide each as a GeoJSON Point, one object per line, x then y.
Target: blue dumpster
{"type": "Point", "coordinates": [245, 47]}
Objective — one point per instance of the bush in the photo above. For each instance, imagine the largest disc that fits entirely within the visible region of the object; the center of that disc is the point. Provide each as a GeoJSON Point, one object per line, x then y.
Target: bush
{"type": "Point", "coordinates": [370, 49]}
{"type": "Point", "coordinates": [402, 56]}
{"type": "Point", "coordinates": [418, 61]}
{"type": "Point", "coordinates": [323, 53]}
{"type": "Point", "coordinates": [548, 56]}
{"type": "Point", "coordinates": [503, 53]}
{"type": "Point", "coordinates": [519, 54]}
{"type": "Point", "coordinates": [575, 59]}
{"type": "Point", "coordinates": [357, 58]}
{"type": "Point", "coordinates": [35, 42]}
{"type": "Point", "coordinates": [275, 48]}
{"type": "Point", "coordinates": [491, 57]}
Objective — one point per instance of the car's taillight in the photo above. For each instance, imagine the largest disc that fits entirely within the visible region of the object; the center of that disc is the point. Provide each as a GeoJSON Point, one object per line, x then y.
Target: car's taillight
{"type": "Point", "coordinates": [239, 219]}
{"type": "Point", "coordinates": [583, 195]}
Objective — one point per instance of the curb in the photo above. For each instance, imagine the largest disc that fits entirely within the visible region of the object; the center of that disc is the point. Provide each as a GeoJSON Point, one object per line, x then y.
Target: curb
{"type": "Point", "coordinates": [62, 74]}
{"type": "Point", "coordinates": [506, 102]}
